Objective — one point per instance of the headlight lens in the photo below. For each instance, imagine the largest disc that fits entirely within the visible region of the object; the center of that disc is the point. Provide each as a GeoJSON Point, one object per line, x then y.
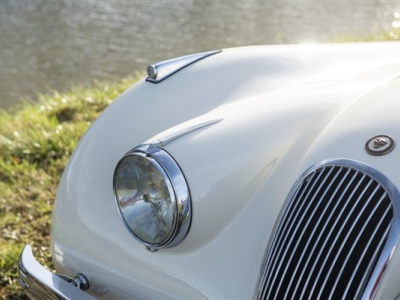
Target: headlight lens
{"type": "Point", "coordinates": [153, 197]}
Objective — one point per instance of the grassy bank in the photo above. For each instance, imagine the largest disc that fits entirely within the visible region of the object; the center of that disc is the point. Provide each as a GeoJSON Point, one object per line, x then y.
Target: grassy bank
{"type": "Point", "coordinates": [36, 141]}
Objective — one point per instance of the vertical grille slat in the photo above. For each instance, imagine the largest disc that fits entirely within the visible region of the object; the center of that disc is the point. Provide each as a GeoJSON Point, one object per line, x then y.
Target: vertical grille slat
{"type": "Point", "coordinates": [335, 261]}
{"type": "Point", "coordinates": [352, 232]}
{"type": "Point", "coordinates": [290, 211]}
{"type": "Point", "coordinates": [308, 244]}
{"type": "Point", "coordinates": [369, 244]}
{"type": "Point", "coordinates": [287, 216]}
{"type": "Point", "coordinates": [341, 214]}
{"type": "Point", "coordinates": [300, 237]}
{"type": "Point", "coordinates": [296, 235]}
{"type": "Point", "coordinates": [378, 249]}
{"type": "Point", "coordinates": [331, 235]}
{"type": "Point", "coordinates": [278, 260]}
{"type": "Point", "coordinates": [333, 212]}
{"type": "Point", "coordinates": [323, 230]}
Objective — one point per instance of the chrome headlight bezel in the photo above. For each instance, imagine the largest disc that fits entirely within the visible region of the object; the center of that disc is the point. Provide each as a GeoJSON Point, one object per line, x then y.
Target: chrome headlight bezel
{"type": "Point", "coordinates": [177, 187]}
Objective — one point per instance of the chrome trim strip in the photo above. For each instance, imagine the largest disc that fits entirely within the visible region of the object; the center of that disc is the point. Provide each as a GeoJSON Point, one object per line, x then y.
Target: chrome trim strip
{"type": "Point", "coordinates": [162, 70]}
{"type": "Point", "coordinates": [162, 142]}
{"type": "Point", "coordinates": [40, 283]}
{"type": "Point", "coordinates": [176, 135]}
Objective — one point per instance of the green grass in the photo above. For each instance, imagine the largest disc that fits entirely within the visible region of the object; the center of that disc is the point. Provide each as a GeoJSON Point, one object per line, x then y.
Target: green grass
{"type": "Point", "coordinates": [36, 141]}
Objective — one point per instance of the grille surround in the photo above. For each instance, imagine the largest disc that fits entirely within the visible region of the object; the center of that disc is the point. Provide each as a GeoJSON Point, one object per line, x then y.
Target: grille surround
{"type": "Point", "coordinates": [278, 260]}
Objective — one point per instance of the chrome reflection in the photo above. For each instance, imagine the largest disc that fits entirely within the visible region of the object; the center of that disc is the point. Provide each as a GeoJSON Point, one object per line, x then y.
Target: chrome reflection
{"type": "Point", "coordinates": [152, 197]}
{"type": "Point", "coordinates": [162, 70]}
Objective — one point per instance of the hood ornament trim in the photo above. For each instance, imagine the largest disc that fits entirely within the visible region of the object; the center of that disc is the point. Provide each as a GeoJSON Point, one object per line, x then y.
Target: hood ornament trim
{"type": "Point", "coordinates": [158, 144]}
{"type": "Point", "coordinates": [380, 145]}
{"type": "Point", "coordinates": [162, 70]}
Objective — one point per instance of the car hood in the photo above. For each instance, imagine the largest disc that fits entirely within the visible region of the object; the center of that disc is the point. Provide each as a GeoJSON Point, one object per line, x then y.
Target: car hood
{"type": "Point", "coordinates": [278, 111]}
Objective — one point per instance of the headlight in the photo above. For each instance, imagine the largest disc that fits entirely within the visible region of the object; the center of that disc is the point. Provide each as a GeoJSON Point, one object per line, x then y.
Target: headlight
{"type": "Point", "coordinates": [153, 197]}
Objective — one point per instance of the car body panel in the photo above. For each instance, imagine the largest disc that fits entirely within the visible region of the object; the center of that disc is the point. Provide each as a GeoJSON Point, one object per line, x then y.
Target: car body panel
{"type": "Point", "coordinates": [283, 109]}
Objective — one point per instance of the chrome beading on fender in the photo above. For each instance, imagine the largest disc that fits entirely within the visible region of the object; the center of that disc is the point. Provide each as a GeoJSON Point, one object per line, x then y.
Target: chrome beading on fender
{"type": "Point", "coordinates": [165, 140]}
{"type": "Point", "coordinates": [340, 219]}
{"type": "Point", "coordinates": [162, 70]}
{"type": "Point", "coordinates": [178, 191]}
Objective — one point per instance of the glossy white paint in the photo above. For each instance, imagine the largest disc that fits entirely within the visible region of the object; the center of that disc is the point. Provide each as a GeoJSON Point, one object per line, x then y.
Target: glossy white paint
{"type": "Point", "coordinates": [284, 108]}
{"type": "Point", "coordinates": [374, 114]}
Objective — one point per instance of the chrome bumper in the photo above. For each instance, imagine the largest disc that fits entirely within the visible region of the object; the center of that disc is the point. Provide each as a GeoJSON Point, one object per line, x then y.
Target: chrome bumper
{"type": "Point", "coordinates": [40, 283]}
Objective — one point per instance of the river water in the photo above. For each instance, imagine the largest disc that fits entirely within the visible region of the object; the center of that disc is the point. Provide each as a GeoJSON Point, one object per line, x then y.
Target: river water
{"type": "Point", "coordinates": [52, 44]}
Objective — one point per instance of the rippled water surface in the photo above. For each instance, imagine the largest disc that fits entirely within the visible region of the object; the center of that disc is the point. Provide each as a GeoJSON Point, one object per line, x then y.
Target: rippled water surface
{"type": "Point", "coordinates": [56, 43]}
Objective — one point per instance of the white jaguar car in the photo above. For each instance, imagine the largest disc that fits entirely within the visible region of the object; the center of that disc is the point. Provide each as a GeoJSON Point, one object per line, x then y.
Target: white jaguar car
{"type": "Point", "coordinates": [265, 172]}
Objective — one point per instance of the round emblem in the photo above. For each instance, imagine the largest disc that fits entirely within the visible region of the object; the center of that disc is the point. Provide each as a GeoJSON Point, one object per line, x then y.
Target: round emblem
{"type": "Point", "coordinates": [379, 145]}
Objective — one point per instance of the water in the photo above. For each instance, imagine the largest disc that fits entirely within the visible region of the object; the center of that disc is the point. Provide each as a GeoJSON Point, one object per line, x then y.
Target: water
{"type": "Point", "coordinates": [52, 44]}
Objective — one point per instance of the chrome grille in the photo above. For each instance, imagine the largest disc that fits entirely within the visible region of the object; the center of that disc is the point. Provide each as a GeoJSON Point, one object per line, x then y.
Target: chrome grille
{"type": "Point", "coordinates": [330, 241]}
